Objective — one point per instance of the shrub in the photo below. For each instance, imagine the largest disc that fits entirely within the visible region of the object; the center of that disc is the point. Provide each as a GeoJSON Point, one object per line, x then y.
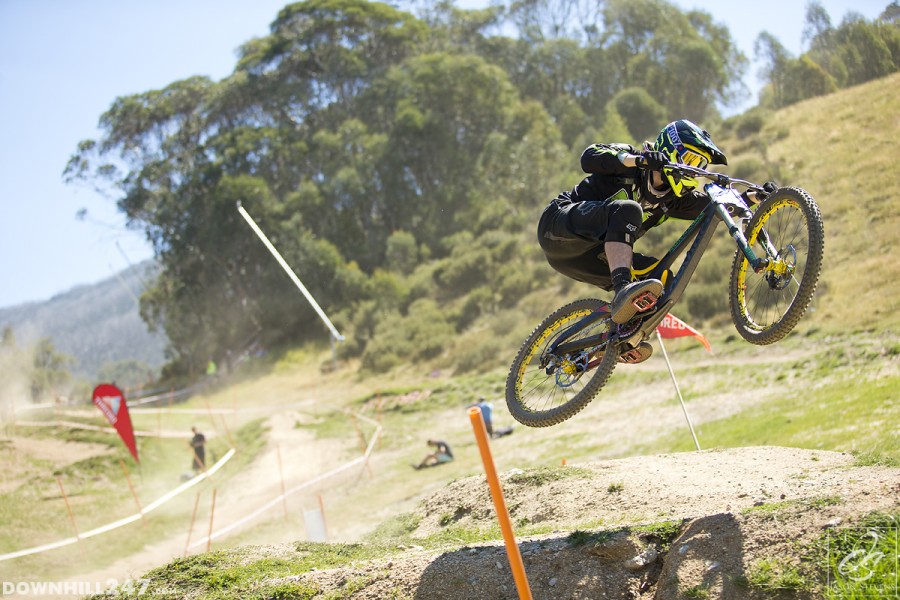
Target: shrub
{"type": "Point", "coordinates": [421, 335]}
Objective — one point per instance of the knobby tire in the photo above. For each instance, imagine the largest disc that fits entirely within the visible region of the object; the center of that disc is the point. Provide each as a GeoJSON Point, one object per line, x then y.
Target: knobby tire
{"type": "Point", "coordinates": [533, 397]}
{"type": "Point", "coordinates": [789, 216]}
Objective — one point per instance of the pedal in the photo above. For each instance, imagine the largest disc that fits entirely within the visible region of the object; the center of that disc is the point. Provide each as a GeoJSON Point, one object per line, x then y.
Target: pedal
{"type": "Point", "coordinates": [638, 354]}
{"type": "Point", "coordinates": [644, 301]}
{"type": "Point", "coordinates": [632, 356]}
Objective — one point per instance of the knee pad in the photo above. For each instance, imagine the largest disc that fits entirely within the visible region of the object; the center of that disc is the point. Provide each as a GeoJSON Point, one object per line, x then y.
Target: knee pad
{"type": "Point", "coordinates": [625, 218]}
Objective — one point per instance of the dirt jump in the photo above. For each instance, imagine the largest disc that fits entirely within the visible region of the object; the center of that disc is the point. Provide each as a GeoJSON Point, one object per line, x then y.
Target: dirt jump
{"type": "Point", "coordinates": [740, 523]}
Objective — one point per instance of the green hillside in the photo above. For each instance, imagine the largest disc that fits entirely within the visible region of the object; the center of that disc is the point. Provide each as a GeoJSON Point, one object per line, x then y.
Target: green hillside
{"type": "Point", "coordinates": [842, 149]}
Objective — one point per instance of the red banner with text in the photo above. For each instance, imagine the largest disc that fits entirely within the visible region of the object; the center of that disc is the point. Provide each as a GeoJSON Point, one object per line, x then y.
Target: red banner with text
{"type": "Point", "coordinates": [673, 327]}
{"type": "Point", "coordinates": [111, 402]}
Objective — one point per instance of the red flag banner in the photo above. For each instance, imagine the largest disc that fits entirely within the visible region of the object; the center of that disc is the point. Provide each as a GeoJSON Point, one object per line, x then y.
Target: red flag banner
{"type": "Point", "coordinates": [673, 327]}
{"type": "Point", "coordinates": [111, 402]}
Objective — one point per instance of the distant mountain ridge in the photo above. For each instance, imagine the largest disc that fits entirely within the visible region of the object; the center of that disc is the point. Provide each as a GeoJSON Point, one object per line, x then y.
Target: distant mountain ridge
{"type": "Point", "coordinates": [96, 323]}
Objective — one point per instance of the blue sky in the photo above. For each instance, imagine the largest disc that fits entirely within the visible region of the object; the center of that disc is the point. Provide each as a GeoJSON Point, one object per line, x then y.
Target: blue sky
{"type": "Point", "coordinates": [63, 62]}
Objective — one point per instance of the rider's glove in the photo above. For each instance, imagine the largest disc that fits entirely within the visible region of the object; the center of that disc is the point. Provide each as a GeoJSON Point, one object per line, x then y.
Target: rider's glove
{"type": "Point", "coordinates": [652, 159]}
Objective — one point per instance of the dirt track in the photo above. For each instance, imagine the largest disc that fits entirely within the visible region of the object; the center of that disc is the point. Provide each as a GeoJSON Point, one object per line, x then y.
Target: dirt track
{"type": "Point", "coordinates": [737, 508]}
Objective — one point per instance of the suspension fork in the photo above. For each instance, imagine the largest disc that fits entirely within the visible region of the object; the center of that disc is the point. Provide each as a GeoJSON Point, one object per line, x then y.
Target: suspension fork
{"type": "Point", "coordinates": [758, 263]}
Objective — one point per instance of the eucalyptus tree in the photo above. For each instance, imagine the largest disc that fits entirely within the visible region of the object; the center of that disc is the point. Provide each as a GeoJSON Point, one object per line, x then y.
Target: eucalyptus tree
{"type": "Point", "coordinates": [177, 159]}
{"type": "Point", "coordinates": [686, 62]}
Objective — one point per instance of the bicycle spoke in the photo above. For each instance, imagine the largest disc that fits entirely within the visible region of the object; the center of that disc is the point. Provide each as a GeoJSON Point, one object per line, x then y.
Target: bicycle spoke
{"type": "Point", "coordinates": [545, 385]}
{"type": "Point", "coordinates": [765, 305]}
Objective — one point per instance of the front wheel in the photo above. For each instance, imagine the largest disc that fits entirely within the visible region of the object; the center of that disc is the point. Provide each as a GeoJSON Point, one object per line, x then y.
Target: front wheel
{"type": "Point", "coordinates": [787, 229]}
{"type": "Point", "coordinates": [545, 387]}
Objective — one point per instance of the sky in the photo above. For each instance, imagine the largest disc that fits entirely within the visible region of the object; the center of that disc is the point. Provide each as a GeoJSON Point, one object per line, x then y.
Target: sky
{"type": "Point", "coordinates": [63, 63]}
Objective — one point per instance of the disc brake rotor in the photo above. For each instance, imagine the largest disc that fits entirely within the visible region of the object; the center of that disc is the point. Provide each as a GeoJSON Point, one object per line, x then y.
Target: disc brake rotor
{"type": "Point", "coordinates": [781, 271]}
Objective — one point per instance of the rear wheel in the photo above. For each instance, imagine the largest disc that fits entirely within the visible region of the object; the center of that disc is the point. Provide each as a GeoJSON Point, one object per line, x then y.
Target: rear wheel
{"type": "Point", "coordinates": [787, 228]}
{"type": "Point", "coordinates": [545, 388]}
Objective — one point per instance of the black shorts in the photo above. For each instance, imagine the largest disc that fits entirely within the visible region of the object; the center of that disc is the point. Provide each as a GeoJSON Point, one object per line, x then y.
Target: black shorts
{"type": "Point", "coordinates": [572, 237]}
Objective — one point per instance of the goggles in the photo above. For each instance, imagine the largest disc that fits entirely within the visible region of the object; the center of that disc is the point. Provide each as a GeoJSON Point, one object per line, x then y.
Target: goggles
{"type": "Point", "coordinates": [692, 159]}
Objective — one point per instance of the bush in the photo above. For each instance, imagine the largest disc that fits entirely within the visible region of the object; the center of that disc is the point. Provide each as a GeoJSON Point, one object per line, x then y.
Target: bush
{"type": "Point", "coordinates": [513, 283]}
{"type": "Point", "coordinates": [479, 351]}
{"type": "Point", "coordinates": [706, 301]}
{"type": "Point", "coordinates": [402, 255]}
{"type": "Point", "coordinates": [421, 335]}
{"type": "Point", "coordinates": [477, 302]}
{"type": "Point", "coordinates": [751, 169]}
{"type": "Point", "coordinates": [465, 269]}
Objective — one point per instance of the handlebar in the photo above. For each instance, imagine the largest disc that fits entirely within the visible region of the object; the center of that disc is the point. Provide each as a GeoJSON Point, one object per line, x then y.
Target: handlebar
{"type": "Point", "coordinates": [717, 178]}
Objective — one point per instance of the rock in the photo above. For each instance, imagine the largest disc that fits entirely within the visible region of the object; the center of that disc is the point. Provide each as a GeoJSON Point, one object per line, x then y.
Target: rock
{"type": "Point", "coordinates": [832, 523]}
{"type": "Point", "coordinates": [645, 558]}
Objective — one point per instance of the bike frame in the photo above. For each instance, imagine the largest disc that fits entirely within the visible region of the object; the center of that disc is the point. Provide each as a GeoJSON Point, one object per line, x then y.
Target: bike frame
{"type": "Point", "coordinates": [724, 201]}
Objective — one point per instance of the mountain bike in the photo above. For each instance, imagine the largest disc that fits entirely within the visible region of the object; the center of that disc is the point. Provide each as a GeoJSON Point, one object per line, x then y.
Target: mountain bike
{"type": "Point", "coordinates": [571, 354]}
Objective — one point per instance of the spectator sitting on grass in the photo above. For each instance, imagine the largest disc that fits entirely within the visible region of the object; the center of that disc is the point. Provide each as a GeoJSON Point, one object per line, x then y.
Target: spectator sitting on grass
{"type": "Point", "coordinates": [442, 454]}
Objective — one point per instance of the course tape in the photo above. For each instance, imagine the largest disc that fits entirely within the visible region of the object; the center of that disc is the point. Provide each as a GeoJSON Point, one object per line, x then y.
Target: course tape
{"type": "Point", "coordinates": [122, 522]}
{"type": "Point", "coordinates": [192, 411]}
{"type": "Point", "coordinates": [74, 425]}
{"type": "Point", "coordinates": [361, 460]}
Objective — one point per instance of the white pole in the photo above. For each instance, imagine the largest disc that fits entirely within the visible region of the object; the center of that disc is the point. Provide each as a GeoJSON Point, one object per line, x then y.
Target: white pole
{"type": "Point", "coordinates": [289, 271]}
{"type": "Point", "coordinates": [677, 390]}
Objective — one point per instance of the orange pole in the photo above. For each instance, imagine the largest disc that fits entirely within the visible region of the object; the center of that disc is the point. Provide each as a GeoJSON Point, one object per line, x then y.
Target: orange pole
{"type": "Point", "coordinates": [509, 538]}
{"type": "Point", "coordinates": [68, 506]}
{"type": "Point", "coordinates": [131, 487]}
{"type": "Point", "coordinates": [322, 510]}
{"type": "Point", "coordinates": [212, 512]}
{"type": "Point", "coordinates": [227, 431]}
{"type": "Point", "coordinates": [187, 544]}
{"type": "Point", "coordinates": [359, 433]}
{"type": "Point", "coordinates": [281, 474]}
{"type": "Point", "coordinates": [362, 442]}
{"type": "Point", "coordinates": [378, 415]}
{"type": "Point", "coordinates": [212, 419]}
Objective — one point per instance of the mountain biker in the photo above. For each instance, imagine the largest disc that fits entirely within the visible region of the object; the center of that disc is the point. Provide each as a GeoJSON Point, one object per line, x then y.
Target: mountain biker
{"type": "Point", "coordinates": [588, 233]}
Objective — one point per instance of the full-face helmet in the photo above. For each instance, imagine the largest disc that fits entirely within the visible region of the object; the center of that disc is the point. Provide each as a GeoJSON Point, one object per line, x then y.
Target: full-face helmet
{"type": "Point", "coordinates": [684, 142]}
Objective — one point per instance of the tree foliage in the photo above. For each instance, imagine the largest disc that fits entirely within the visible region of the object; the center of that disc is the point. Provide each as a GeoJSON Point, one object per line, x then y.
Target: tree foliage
{"type": "Point", "coordinates": [50, 371]}
{"type": "Point", "coordinates": [854, 52]}
{"type": "Point", "coordinates": [396, 160]}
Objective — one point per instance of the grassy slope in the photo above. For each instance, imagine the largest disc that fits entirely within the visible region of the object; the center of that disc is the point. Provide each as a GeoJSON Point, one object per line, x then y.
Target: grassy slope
{"type": "Point", "coordinates": [842, 148]}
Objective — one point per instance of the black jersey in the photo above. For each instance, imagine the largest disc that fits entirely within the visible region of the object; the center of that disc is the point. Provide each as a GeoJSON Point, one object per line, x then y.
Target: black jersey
{"type": "Point", "coordinates": [610, 180]}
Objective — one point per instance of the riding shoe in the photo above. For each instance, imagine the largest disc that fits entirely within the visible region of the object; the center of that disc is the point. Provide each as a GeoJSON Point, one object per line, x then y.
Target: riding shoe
{"type": "Point", "coordinates": [636, 355]}
{"type": "Point", "coordinates": [624, 305]}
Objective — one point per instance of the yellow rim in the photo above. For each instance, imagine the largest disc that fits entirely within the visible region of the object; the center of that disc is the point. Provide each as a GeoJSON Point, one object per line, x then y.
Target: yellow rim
{"type": "Point", "coordinates": [539, 343]}
{"type": "Point", "coordinates": [778, 266]}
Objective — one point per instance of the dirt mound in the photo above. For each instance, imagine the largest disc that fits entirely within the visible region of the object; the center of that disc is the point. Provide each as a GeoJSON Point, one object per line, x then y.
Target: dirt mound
{"type": "Point", "coordinates": [658, 527]}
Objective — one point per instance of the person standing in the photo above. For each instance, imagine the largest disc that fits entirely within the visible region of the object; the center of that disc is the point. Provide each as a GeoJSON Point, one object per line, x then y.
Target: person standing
{"type": "Point", "coordinates": [487, 411]}
{"type": "Point", "coordinates": [198, 444]}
